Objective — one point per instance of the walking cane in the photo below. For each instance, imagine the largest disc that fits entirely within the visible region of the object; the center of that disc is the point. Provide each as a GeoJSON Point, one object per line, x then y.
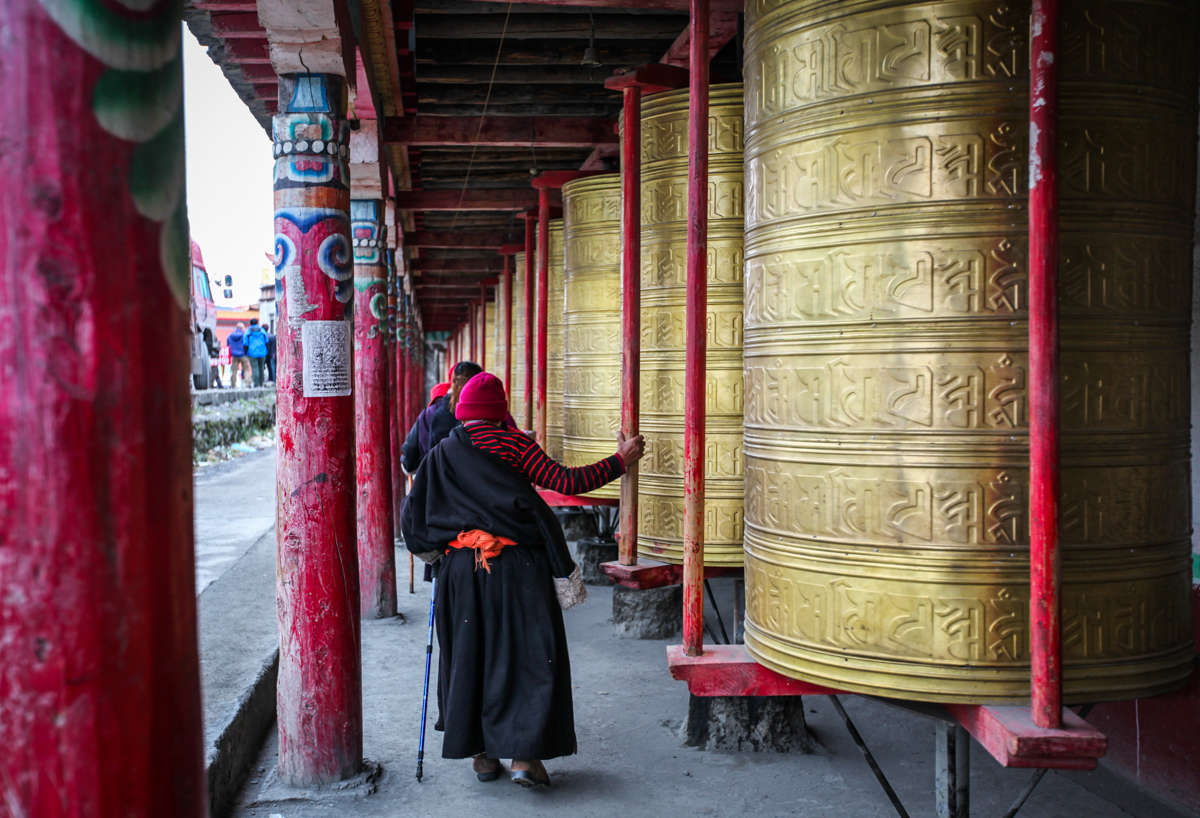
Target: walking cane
{"type": "Point", "coordinates": [411, 588]}
{"type": "Point", "coordinates": [425, 695]}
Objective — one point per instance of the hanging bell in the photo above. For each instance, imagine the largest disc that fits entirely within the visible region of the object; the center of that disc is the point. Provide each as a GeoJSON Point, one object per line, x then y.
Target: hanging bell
{"type": "Point", "coordinates": [591, 58]}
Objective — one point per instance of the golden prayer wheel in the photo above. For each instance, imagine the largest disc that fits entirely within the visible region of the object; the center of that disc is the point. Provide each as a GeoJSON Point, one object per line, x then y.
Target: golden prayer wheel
{"type": "Point", "coordinates": [664, 292]}
{"type": "Point", "coordinates": [887, 481]}
{"type": "Point", "coordinates": [516, 395]}
{"type": "Point", "coordinates": [554, 346]}
{"type": "Point", "coordinates": [592, 322]}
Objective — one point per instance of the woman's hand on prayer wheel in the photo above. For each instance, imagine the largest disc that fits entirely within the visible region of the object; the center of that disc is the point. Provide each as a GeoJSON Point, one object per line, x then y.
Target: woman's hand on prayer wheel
{"type": "Point", "coordinates": [630, 451]}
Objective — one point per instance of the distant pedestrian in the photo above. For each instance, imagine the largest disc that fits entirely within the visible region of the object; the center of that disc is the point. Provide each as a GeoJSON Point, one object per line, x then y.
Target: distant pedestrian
{"type": "Point", "coordinates": [271, 354]}
{"type": "Point", "coordinates": [224, 359]}
{"type": "Point", "coordinates": [256, 349]}
{"type": "Point", "coordinates": [237, 351]}
{"type": "Point", "coordinates": [437, 420]}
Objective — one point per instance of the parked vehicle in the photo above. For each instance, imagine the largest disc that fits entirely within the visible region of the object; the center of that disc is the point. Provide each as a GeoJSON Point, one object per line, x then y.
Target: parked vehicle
{"type": "Point", "coordinates": [204, 344]}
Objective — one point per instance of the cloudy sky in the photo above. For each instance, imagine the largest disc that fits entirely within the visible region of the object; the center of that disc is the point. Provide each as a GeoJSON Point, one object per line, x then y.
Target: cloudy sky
{"type": "Point", "coordinates": [229, 167]}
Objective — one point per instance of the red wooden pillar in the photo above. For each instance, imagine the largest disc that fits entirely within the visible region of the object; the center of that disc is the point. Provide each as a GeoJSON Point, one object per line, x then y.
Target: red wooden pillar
{"type": "Point", "coordinates": [376, 551]}
{"type": "Point", "coordinates": [696, 333]}
{"type": "Point", "coordinates": [483, 325]}
{"type": "Point", "coordinates": [543, 309]}
{"type": "Point", "coordinates": [530, 335]}
{"type": "Point", "coordinates": [510, 278]}
{"type": "Point", "coordinates": [396, 407]}
{"type": "Point", "coordinates": [99, 674]}
{"type": "Point", "coordinates": [320, 682]}
{"type": "Point", "coordinates": [1044, 559]}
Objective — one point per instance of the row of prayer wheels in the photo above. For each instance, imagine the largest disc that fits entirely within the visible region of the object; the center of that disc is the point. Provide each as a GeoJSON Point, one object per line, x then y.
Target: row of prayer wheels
{"type": "Point", "coordinates": [867, 429]}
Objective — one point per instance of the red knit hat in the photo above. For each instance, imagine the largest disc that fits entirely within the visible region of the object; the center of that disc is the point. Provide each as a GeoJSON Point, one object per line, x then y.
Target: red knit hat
{"type": "Point", "coordinates": [482, 399]}
{"type": "Point", "coordinates": [438, 391]}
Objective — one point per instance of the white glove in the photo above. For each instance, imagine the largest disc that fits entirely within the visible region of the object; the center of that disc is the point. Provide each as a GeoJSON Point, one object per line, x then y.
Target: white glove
{"type": "Point", "coordinates": [570, 591]}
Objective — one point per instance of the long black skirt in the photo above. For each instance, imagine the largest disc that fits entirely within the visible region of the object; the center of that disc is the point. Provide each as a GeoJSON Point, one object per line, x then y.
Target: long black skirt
{"type": "Point", "coordinates": [504, 679]}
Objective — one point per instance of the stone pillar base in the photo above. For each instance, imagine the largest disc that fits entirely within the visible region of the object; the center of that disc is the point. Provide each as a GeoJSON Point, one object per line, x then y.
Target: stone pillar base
{"type": "Point", "coordinates": [764, 724]}
{"type": "Point", "coordinates": [590, 553]}
{"type": "Point", "coordinates": [653, 614]}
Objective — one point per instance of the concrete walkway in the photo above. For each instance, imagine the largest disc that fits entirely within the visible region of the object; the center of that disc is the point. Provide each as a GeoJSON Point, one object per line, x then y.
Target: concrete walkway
{"type": "Point", "coordinates": [631, 762]}
{"type": "Point", "coordinates": [235, 506]}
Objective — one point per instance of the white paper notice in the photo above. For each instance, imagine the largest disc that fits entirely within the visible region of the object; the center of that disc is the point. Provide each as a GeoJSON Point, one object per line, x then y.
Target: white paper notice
{"type": "Point", "coordinates": [328, 371]}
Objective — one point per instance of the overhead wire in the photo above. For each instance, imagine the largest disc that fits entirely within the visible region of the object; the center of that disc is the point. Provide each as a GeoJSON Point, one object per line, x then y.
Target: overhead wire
{"type": "Point", "coordinates": [479, 130]}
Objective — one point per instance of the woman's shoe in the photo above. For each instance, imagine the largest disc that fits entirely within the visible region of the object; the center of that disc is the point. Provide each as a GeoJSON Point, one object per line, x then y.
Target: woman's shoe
{"type": "Point", "coordinates": [534, 776]}
{"type": "Point", "coordinates": [486, 769]}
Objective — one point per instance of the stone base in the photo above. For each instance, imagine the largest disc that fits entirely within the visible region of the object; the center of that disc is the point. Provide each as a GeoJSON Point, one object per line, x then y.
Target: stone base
{"type": "Point", "coordinates": [765, 724]}
{"type": "Point", "coordinates": [590, 553]}
{"type": "Point", "coordinates": [653, 614]}
{"type": "Point", "coordinates": [577, 523]}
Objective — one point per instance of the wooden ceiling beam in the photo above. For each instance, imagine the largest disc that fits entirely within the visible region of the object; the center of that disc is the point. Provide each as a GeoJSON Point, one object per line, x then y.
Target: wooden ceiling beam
{"type": "Point", "coordinates": [514, 199]}
{"type": "Point", "coordinates": [481, 241]}
{"type": "Point", "coordinates": [497, 131]}
{"type": "Point", "coordinates": [493, 264]}
{"type": "Point", "coordinates": [536, 52]}
{"type": "Point", "coordinates": [546, 26]}
{"type": "Point", "coordinates": [237, 25]}
{"type": "Point", "coordinates": [722, 27]}
{"type": "Point", "coordinates": [248, 51]}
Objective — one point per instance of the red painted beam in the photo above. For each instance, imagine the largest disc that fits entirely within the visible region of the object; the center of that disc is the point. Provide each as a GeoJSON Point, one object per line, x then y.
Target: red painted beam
{"type": "Point", "coordinates": [259, 73]}
{"type": "Point", "coordinates": [696, 335]}
{"type": "Point", "coordinates": [249, 51]}
{"type": "Point", "coordinates": [723, 27]}
{"type": "Point", "coordinates": [555, 179]}
{"type": "Point", "coordinates": [511, 249]}
{"type": "Point", "coordinates": [595, 160]}
{"type": "Point", "coordinates": [514, 199]}
{"type": "Point", "coordinates": [651, 78]}
{"type": "Point", "coordinates": [556, 500]}
{"type": "Point", "coordinates": [1045, 630]}
{"type": "Point", "coordinates": [647, 574]}
{"type": "Point", "coordinates": [728, 670]}
{"type": "Point", "coordinates": [478, 241]}
{"type": "Point", "coordinates": [500, 131]}
{"type": "Point", "coordinates": [237, 25]}
{"type": "Point", "coordinates": [455, 265]}
{"type": "Point", "coordinates": [1013, 739]}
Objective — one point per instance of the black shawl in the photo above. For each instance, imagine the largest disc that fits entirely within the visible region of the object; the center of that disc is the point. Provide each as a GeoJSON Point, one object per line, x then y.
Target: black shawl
{"type": "Point", "coordinates": [459, 488]}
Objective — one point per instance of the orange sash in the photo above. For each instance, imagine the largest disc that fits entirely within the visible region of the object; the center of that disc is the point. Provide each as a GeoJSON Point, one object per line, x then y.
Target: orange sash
{"type": "Point", "coordinates": [486, 546]}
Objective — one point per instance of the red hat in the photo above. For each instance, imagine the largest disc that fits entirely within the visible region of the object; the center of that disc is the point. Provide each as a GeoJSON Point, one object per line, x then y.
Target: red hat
{"type": "Point", "coordinates": [438, 391]}
{"type": "Point", "coordinates": [482, 399]}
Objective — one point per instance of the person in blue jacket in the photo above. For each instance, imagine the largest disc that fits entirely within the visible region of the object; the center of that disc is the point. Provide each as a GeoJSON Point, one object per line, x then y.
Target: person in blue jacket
{"type": "Point", "coordinates": [237, 354]}
{"type": "Point", "coordinates": [256, 350]}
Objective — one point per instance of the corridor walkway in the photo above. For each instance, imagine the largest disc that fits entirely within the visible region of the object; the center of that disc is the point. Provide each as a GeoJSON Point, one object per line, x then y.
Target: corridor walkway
{"type": "Point", "coordinates": [631, 762]}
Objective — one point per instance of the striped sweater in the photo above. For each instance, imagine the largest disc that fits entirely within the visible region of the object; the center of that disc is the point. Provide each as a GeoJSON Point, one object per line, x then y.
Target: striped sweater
{"type": "Point", "coordinates": [523, 454]}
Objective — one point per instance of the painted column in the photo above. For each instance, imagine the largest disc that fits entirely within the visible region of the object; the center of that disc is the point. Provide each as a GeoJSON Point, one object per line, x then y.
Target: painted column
{"type": "Point", "coordinates": [543, 307]}
{"type": "Point", "coordinates": [376, 551]}
{"type": "Point", "coordinates": [530, 339]}
{"type": "Point", "coordinates": [395, 394]}
{"type": "Point", "coordinates": [320, 679]}
{"type": "Point", "coordinates": [99, 673]}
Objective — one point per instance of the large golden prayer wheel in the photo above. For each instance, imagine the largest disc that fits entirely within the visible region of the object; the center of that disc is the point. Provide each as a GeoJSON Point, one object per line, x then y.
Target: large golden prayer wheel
{"type": "Point", "coordinates": [887, 482]}
{"type": "Point", "coordinates": [516, 395]}
{"type": "Point", "coordinates": [554, 345]}
{"type": "Point", "coordinates": [664, 293]}
{"type": "Point", "coordinates": [592, 322]}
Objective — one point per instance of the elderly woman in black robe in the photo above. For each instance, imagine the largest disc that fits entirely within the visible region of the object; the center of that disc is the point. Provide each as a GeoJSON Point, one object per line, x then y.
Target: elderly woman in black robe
{"type": "Point", "coordinates": [504, 576]}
